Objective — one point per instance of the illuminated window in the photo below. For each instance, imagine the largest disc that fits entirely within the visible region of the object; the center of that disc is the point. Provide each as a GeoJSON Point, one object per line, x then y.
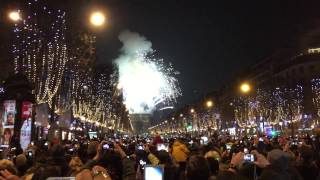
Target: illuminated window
{"type": "Point", "coordinates": [314, 50]}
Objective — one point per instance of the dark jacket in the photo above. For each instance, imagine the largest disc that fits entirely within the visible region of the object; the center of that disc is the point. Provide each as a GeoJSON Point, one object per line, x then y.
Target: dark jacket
{"type": "Point", "coordinates": [308, 171]}
{"type": "Point", "coordinates": [128, 169]}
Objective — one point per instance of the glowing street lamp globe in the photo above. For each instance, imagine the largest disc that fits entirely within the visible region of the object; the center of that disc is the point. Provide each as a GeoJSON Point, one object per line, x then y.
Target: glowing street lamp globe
{"type": "Point", "coordinates": [245, 87]}
{"type": "Point", "coordinates": [209, 103]}
{"type": "Point", "coordinates": [97, 19]}
{"type": "Point", "coordinates": [14, 16]}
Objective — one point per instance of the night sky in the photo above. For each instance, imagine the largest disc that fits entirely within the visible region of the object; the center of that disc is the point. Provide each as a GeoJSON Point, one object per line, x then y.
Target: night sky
{"type": "Point", "coordinates": [208, 42]}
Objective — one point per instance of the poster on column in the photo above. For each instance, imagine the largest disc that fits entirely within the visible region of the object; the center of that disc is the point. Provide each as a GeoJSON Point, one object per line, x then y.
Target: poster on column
{"type": "Point", "coordinates": [25, 135]}
{"type": "Point", "coordinates": [9, 113]}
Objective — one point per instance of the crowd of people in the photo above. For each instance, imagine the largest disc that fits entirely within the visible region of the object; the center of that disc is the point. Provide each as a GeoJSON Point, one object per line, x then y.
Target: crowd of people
{"type": "Point", "coordinates": [169, 158]}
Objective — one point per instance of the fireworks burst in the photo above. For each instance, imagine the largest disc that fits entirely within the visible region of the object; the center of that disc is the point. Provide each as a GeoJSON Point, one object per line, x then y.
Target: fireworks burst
{"type": "Point", "coordinates": [146, 81]}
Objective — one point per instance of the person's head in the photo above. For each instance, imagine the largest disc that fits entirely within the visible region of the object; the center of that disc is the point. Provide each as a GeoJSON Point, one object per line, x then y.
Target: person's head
{"type": "Point", "coordinates": [111, 160]}
{"type": "Point", "coordinates": [92, 149]}
{"type": "Point", "coordinates": [57, 151]}
{"type": "Point", "coordinates": [278, 159]}
{"type": "Point", "coordinates": [7, 134]}
{"type": "Point", "coordinates": [213, 154]}
{"type": "Point", "coordinates": [164, 157]}
{"type": "Point", "coordinates": [197, 168]}
{"type": "Point", "coordinates": [75, 163]}
{"type": "Point", "coordinates": [21, 160]}
{"type": "Point", "coordinates": [10, 118]}
{"type": "Point", "coordinates": [8, 165]}
{"type": "Point", "coordinates": [247, 170]}
{"type": "Point", "coordinates": [305, 153]}
{"type": "Point", "coordinates": [213, 165]}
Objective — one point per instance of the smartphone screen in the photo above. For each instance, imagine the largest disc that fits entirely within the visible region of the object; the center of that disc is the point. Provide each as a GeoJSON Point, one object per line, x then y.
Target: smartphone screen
{"type": "Point", "coordinates": [106, 146]}
{"type": "Point", "coordinates": [228, 146]}
{"type": "Point", "coordinates": [249, 157]}
{"type": "Point", "coordinates": [162, 147]}
{"type": "Point", "coordinates": [153, 173]}
{"type": "Point", "coordinates": [30, 154]}
{"type": "Point", "coordinates": [140, 147]}
{"type": "Point", "coordinates": [142, 163]}
{"type": "Point", "coordinates": [204, 140]}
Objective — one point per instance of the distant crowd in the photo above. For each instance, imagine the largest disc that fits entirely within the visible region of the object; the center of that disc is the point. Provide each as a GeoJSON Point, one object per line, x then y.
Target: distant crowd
{"type": "Point", "coordinates": [166, 158]}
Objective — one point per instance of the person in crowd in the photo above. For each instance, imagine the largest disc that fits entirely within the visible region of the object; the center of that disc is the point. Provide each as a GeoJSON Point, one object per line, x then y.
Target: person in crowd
{"type": "Point", "coordinates": [9, 166]}
{"type": "Point", "coordinates": [279, 167]}
{"type": "Point", "coordinates": [271, 158]}
{"type": "Point", "coordinates": [197, 168]}
{"type": "Point", "coordinates": [114, 160]}
{"type": "Point", "coordinates": [21, 164]}
{"type": "Point", "coordinates": [306, 165]}
{"type": "Point", "coordinates": [157, 139]}
{"type": "Point", "coordinates": [92, 149]}
{"type": "Point", "coordinates": [56, 164]}
{"type": "Point", "coordinates": [75, 166]}
{"type": "Point", "coordinates": [180, 152]}
{"type": "Point", "coordinates": [164, 159]}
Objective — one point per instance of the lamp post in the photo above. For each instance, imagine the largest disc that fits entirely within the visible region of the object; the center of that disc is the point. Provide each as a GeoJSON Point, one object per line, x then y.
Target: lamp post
{"type": "Point", "coordinates": [209, 105]}
{"type": "Point", "coordinates": [245, 89]}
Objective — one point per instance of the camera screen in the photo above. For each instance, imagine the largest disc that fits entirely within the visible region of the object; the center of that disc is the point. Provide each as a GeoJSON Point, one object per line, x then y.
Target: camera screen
{"type": "Point", "coordinates": [30, 153]}
{"type": "Point", "coordinates": [204, 140]}
{"type": "Point", "coordinates": [106, 146]}
{"type": "Point", "coordinates": [162, 147]}
{"type": "Point", "coordinates": [153, 173]}
{"type": "Point", "coordinates": [228, 146]}
{"type": "Point", "coordinates": [249, 157]}
{"type": "Point", "coordinates": [140, 147]}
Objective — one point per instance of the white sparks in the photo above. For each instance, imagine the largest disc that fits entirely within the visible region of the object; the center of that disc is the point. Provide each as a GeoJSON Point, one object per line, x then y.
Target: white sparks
{"type": "Point", "coordinates": [145, 82]}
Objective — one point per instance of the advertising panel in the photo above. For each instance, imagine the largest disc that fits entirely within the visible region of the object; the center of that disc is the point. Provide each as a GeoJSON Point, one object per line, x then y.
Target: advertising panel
{"type": "Point", "coordinates": [25, 135]}
{"type": "Point", "coordinates": [8, 122]}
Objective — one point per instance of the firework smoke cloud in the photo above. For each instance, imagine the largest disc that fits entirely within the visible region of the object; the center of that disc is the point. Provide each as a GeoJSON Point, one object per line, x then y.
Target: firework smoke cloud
{"type": "Point", "coordinates": [146, 82]}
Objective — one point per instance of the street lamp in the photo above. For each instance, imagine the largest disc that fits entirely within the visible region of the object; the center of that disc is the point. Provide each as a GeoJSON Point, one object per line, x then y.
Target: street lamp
{"type": "Point", "coordinates": [192, 110]}
{"type": "Point", "coordinates": [97, 18]}
{"type": "Point", "coordinates": [245, 87]}
{"type": "Point", "coordinates": [209, 103]}
{"type": "Point", "coordinates": [14, 16]}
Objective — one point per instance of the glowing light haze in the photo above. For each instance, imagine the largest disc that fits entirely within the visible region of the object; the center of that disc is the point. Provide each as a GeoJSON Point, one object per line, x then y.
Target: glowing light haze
{"type": "Point", "coordinates": [146, 82]}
